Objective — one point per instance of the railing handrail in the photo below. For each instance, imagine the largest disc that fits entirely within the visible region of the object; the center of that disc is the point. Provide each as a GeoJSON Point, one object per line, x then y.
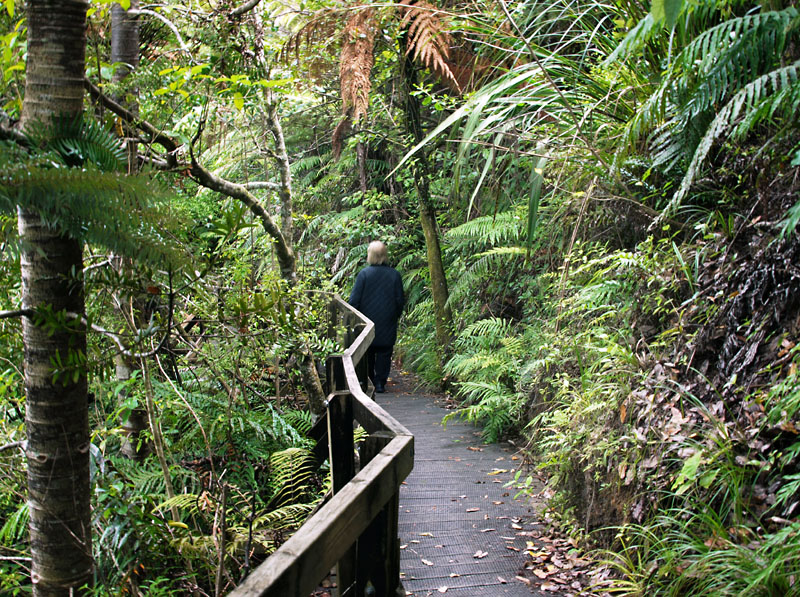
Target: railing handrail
{"type": "Point", "coordinates": [362, 510]}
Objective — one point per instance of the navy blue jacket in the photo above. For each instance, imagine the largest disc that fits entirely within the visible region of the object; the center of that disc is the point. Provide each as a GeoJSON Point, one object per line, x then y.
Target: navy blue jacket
{"type": "Point", "coordinates": [378, 294]}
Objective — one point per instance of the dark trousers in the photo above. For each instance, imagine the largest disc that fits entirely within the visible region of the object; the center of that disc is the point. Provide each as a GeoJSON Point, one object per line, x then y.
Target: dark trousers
{"type": "Point", "coordinates": [379, 362]}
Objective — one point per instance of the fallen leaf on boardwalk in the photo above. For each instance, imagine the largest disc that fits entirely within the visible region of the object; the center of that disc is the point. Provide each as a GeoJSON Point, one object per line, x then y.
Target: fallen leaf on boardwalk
{"type": "Point", "coordinates": [426, 534]}
{"type": "Point", "coordinates": [538, 572]}
{"type": "Point", "coordinates": [515, 458]}
{"type": "Point", "coordinates": [497, 471]}
{"type": "Point", "coordinates": [442, 589]}
{"type": "Point", "coordinates": [478, 554]}
{"type": "Point", "coordinates": [487, 530]}
{"type": "Point", "coordinates": [516, 527]}
{"type": "Point", "coordinates": [403, 546]}
{"type": "Point", "coordinates": [502, 580]}
{"type": "Point", "coordinates": [497, 503]}
{"type": "Point", "coordinates": [454, 575]}
{"type": "Point", "coordinates": [522, 579]}
{"type": "Point", "coordinates": [474, 449]}
{"type": "Point", "coordinates": [438, 546]}
{"type": "Point", "coordinates": [512, 548]}
{"type": "Point", "coordinates": [427, 562]}
{"type": "Point", "coordinates": [473, 509]}
{"type": "Point", "coordinates": [549, 586]}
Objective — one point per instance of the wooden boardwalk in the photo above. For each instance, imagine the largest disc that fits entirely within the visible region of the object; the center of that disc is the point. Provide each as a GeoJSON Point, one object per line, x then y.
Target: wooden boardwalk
{"type": "Point", "coordinates": [461, 531]}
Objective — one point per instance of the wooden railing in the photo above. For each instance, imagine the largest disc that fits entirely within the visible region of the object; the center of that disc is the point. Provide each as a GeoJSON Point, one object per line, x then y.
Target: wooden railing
{"type": "Point", "coordinates": [356, 530]}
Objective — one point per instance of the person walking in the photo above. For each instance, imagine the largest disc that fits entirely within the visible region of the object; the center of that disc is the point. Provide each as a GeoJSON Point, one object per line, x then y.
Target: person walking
{"type": "Point", "coordinates": [378, 294]}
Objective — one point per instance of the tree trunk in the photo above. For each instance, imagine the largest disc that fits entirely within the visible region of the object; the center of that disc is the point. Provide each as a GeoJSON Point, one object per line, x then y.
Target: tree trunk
{"type": "Point", "coordinates": [56, 416]}
{"type": "Point", "coordinates": [427, 214]}
{"type": "Point", "coordinates": [284, 169]}
{"type": "Point", "coordinates": [125, 51]}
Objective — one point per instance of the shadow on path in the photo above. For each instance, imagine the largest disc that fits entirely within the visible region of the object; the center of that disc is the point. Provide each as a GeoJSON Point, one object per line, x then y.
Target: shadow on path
{"type": "Point", "coordinates": [461, 531]}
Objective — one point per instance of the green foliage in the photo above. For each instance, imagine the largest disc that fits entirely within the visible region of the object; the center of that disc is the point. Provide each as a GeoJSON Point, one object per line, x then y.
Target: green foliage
{"type": "Point", "coordinates": [73, 176]}
{"type": "Point", "coordinates": [728, 76]}
{"type": "Point", "coordinates": [488, 357]}
{"type": "Point", "coordinates": [693, 551]}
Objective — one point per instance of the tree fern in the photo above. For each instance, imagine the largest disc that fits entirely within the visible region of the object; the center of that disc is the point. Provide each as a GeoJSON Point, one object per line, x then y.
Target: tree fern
{"type": "Point", "coordinates": [73, 177]}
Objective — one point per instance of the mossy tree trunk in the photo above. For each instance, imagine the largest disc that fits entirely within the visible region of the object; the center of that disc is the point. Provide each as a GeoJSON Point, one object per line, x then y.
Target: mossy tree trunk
{"type": "Point", "coordinates": [56, 417]}
{"type": "Point", "coordinates": [427, 214]}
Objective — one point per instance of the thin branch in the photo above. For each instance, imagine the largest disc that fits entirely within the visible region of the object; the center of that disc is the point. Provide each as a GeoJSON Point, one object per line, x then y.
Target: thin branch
{"type": "Point", "coordinates": [168, 23]}
{"type": "Point", "coordinates": [10, 134]}
{"type": "Point", "coordinates": [247, 6]}
{"type": "Point", "coordinates": [129, 117]}
{"type": "Point", "coordinates": [12, 445]}
{"type": "Point", "coordinates": [259, 185]}
{"type": "Point", "coordinates": [104, 263]}
{"type": "Point", "coordinates": [286, 258]}
{"type": "Point", "coordinates": [205, 178]}
{"type": "Point", "coordinates": [18, 313]}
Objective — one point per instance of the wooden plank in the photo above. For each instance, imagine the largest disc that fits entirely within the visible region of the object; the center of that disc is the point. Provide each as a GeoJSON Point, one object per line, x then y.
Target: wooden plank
{"type": "Point", "coordinates": [360, 345]}
{"type": "Point", "coordinates": [305, 559]}
{"type": "Point", "coordinates": [343, 467]}
{"type": "Point", "coordinates": [319, 433]}
{"type": "Point", "coordinates": [371, 416]}
{"type": "Point", "coordinates": [340, 440]}
{"type": "Point", "coordinates": [374, 549]}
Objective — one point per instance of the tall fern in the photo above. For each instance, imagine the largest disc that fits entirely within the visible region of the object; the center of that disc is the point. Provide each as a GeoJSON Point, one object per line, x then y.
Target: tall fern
{"type": "Point", "coordinates": [727, 79]}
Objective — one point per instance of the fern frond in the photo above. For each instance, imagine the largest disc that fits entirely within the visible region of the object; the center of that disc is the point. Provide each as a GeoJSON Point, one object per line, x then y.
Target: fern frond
{"type": "Point", "coordinates": [355, 68]}
{"type": "Point", "coordinates": [301, 420]}
{"type": "Point", "coordinates": [491, 329]}
{"type": "Point", "coordinates": [716, 63]}
{"type": "Point", "coordinates": [323, 25]}
{"type": "Point", "coordinates": [485, 268]}
{"type": "Point", "coordinates": [428, 38]}
{"type": "Point", "coordinates": [503, 228]}
{"type": "Point", "coordinates": [16, 526]}
{"type": "Point", "coordinates": [185, 502]}
{"type": "Point", "coordinates": [78, 142]}
{"type": "Point", "coordinates": [99, 204]}
{"type": "Point", "coordinates": [286, 517]}
{"type": "Point", "coordinates": [752, 98]}
{"type": "Point", "coordinates": [490, 404]}
{"type": "Point", "coordinates": [291, 472]}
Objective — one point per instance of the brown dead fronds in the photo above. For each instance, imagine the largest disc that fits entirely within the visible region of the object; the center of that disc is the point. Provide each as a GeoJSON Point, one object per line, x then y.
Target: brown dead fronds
{"type": "Point", "coordinates": [355, 66]}
{"type": "Point", "coordinates": [429, 39]}
{"type": "Point", "coordinates": [323, 25]}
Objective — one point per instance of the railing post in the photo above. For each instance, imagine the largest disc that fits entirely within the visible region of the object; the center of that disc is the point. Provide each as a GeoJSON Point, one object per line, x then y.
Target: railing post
{"type": "Point", "coordinates": [342, 458]}
{"type": "Point", "coordinates": [334, 374]}
{"type": "Point", "coordinates": [362, 369]}
{"type": "Point", "coordinates": [378, 561]}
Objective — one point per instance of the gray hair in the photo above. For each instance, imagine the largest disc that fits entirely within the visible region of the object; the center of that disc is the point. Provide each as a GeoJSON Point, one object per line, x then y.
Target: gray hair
{"type": "Point", "coordinates": [376, 253]}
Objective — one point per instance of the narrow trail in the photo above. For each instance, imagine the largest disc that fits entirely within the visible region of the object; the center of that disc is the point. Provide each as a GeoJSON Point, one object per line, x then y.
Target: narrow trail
{"type": "Point", "coordinates": [461, 530]}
